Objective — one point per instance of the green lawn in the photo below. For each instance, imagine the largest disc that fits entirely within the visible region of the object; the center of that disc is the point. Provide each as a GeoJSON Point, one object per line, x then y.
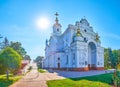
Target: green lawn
{"type": "Point", "coordinates": [103, 80]}
{"type": "Point", "coordinates": [42, 70]}
{"type": "Point", "coordinates": [6, 83]}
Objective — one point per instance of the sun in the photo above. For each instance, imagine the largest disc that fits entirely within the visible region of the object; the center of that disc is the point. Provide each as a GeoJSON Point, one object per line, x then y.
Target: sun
{"type": "Point", "coordinates": [42, 23]}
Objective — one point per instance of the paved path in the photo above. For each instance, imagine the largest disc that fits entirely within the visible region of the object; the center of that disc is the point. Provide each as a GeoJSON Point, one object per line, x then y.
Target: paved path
{"type": "Point", "coordinates": [36, 79]}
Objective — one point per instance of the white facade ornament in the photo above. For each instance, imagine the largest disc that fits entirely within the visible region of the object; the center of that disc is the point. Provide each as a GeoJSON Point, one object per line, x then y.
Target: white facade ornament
{"type": "Point", "coordinates": [81, 53]}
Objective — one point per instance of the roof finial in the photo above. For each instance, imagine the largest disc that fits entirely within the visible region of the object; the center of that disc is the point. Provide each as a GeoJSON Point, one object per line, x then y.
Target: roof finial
{"type": "Point", "coordinates": [56, 20]}
{"type": "Point", "coordinates": [84, 17]}
{"type": "Point", "coordinates": [56, 14]}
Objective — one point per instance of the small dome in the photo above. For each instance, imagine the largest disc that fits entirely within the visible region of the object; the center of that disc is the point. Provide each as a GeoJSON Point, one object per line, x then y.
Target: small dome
{"type": "Point", "coordinates": [78, 33]}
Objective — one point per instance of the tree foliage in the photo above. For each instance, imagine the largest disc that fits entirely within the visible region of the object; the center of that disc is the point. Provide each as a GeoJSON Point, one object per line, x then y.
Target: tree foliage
{"type": "Point", "coordinates": [9, 60]}
{"type": "Point", "coordinates": [5, 43]}
{"type": "Point", "coordinates": [27, 57]}
{"type": "Point", "coordinates": [17, 46]}
{"type": "Point", "coordinates": [111, 58]}
{"type": "Point", "coordinates": [39, 60]}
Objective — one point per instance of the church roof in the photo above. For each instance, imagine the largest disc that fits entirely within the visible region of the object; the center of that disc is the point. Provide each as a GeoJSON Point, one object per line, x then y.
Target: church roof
{"type": "Point", "coordinates": [84, 21]}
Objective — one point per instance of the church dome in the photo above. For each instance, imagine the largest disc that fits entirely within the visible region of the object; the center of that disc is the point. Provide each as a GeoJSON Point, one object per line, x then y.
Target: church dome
{"type": "Point", "coordinates": [78, 36]}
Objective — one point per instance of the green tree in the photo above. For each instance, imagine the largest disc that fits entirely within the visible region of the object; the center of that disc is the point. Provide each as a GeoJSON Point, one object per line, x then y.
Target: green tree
{"type": "Point", "coordinates": [110, 54]}
{"type": "Point", "coordinates": [6, 42]}
{"type": "Point", "coordinates": [27, 57]}
{"type": "Point", "coordinates": [9, 60]}
{"type": "Point", "coordinates": [108, 57]}
{"type": "Point", "coordinates": [17, 46]}
{"type": "Point", "coordinates": [38, 60]}
{"type": "Point", "coordinates": [0, 42]}
{"type": "Point", "coordinates": [115, 58]}
{"type": "Point", "coordinates": [118, 56]}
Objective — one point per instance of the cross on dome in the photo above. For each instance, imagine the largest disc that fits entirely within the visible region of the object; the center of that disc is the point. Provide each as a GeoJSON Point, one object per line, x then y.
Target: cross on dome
{"type": "Point", "coordinates": [56, 14]}
{"type": "Point", "coordinates": [56, 20]}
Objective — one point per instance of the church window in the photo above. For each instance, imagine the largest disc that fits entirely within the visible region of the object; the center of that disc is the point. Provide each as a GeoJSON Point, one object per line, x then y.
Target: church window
{"type": "Point", "coordinates": [73, 56]}
{"type": "Point", "coordinates": [85, 39]}
{"type": "Point", "coordinates": [82, 63]}
{"type": "Point", "coordinates": [58, 58]}
{"type": "Point", "coordinates": [57, 29]}
{"type": "Point", "coordinates": [98, 63]}
{"type": "Point", "coordinates": [85, 62]}
{"type": "Point", "coordinates": [67, 60]}
{"type": "Point", "coordinates": [73, 59]}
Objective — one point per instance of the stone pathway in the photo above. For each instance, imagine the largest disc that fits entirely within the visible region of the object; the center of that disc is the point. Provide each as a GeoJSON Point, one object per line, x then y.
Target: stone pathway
{"type": "Point", "coordinates": [36, 79]}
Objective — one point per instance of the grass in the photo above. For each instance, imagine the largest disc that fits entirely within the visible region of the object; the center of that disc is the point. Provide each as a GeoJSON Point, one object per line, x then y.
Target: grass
{"type": "Point", "coordinates": [104, 80]}
{"type": "Point", "coordinates": [6, 83]}
{"type": "Point", "coordinates": [42, 70]}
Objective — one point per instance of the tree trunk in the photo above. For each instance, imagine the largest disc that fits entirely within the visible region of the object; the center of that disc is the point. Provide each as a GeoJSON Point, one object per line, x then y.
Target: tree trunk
{"type": "Point", "coordinates": [7, 75]}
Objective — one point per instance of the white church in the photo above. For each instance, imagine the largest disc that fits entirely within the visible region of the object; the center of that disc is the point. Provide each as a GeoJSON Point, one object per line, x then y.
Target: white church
{"type": "Point", "coordinates": [78, 48]}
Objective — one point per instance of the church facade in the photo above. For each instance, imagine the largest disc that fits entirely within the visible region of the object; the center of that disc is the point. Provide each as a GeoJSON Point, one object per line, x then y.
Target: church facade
{"type": "Point", "coordinates": [77, 48]}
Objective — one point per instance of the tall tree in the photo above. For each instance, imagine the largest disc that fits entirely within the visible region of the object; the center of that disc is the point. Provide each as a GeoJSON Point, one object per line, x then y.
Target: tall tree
{"type": "Point", "coordinates": [108, 57]}
{"type": "Point", "coordinates": [0, 42]}
{"type": "Point", "coordinates": [5, 43]}
{"type": "Point", "coordinates": [17, 46]}
{"type": "Point", "coordinates": [118, 56]}
{"type": "Point", "coordinates": [115, 58]}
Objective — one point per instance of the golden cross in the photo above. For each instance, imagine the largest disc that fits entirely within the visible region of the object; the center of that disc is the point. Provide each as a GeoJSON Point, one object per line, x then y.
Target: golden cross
{"type": "Point", "coordinates": [56, 14]}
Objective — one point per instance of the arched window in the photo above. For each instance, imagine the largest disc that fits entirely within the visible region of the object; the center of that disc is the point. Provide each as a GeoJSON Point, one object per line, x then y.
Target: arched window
{"type": "Point", "coordinates": [67, 60]}
{"type": "Point", "coordinates": [57, 29]}
{"type": "Point", "coordinates": [74, 56]}
{"type": "Point", "coordinates": [85, 62]}
{"type": "Point", "coordinates": [85, 30]}
{"type": "Point", "coordinates": [73, 59]}
{"type": "Point", "coordinates": [58, 58]}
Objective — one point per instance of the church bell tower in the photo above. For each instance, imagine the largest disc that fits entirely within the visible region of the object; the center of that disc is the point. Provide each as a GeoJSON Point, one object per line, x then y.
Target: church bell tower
{"type": "Point", "coordinates": [57, 26]}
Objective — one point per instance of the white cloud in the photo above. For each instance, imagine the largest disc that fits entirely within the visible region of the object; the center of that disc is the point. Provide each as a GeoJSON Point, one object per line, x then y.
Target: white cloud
{"type": "Point", "coordinates": [110, 35]}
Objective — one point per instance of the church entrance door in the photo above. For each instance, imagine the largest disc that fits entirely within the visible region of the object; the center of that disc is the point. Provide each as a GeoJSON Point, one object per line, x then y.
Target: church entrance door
{"type": "Point", "coordinates": [91, 56]}
{"type": "Point", "coordinates": [58, 65]}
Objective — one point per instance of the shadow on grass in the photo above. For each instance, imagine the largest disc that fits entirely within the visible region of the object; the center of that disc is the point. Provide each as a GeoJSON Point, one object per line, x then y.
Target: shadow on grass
{"type": "Point", "coordinates": [7, 83]}
{"type": "Point", "coordinates": [104, 78]}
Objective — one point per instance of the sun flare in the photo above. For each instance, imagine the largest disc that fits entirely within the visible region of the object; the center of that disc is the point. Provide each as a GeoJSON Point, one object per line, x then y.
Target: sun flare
{"type": "Point", "coordinates": [42, 23]}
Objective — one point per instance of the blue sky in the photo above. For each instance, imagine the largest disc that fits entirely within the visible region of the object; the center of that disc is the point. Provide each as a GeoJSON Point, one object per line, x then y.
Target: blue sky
{"type": "Point", "coordinates": [17, 20]}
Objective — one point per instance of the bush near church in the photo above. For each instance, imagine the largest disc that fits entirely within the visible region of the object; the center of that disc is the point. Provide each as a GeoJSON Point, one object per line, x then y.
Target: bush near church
{"type": "Point", "coordinates": [10, 61]}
